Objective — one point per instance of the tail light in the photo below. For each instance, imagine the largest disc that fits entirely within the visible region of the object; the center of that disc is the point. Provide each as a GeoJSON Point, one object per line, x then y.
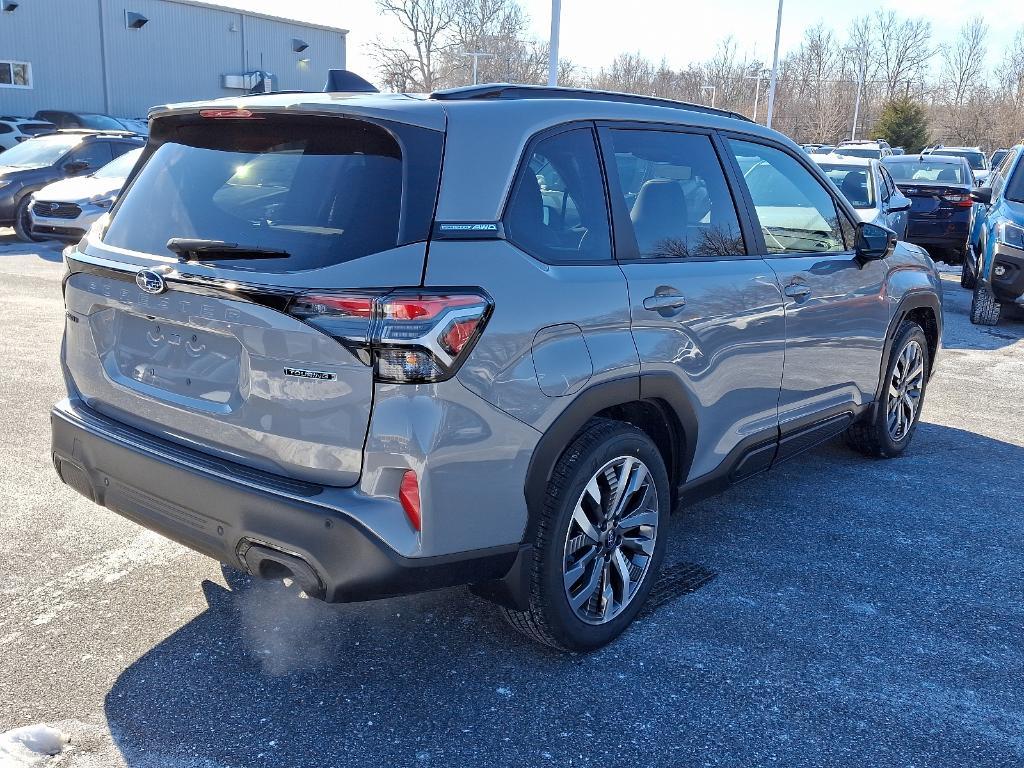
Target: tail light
{"type": "Point", "coordinates": [409, 337]}
{"type": "Point", "coordinates": [961, 201]}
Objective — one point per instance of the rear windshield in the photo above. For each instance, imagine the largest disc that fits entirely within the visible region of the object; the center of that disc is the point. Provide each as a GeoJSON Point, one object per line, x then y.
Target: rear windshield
{"type": "Point", "coordinates": [858, 152]}
{"type": "Point", "coordinates": [853, 181]}
{"type": "Point", "coordinates": [974, 159]}
{"type": "Point", "coordinates": [926, 171]}
{"type": "Point", "coordinates": [322, 190]}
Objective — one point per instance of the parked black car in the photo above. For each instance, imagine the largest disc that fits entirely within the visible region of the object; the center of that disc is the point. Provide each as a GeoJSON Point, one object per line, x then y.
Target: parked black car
{"type": "Point", "coordinates": [88, 120]}
{"type": "Point", "coordinates": [37, 162]}
{"type": "Point", "coordinates": [939, 188]}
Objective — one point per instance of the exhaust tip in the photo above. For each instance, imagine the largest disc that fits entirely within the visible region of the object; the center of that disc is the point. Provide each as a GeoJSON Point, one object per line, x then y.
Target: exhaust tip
{"type": "Point", "coordinates": [273, 564]}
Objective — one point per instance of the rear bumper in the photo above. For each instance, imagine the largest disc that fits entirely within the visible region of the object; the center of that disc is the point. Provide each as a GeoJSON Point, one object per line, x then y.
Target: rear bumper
{"type": "Point", "coordinates": [942, 233]}
{"type": "Point", "coordinates": [250, 520]}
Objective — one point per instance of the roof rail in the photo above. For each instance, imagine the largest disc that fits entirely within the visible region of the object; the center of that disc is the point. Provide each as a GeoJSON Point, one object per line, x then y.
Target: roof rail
{"type": "Point", "coordinates": [512, 91]}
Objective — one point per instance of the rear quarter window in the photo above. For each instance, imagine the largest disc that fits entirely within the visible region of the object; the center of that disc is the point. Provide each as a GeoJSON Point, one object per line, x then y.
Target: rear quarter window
{"type": "Point", "coordinates": [322, 190]}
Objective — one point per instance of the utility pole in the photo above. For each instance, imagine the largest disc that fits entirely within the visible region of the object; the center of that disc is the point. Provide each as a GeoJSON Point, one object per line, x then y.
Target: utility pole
{"type": "Point", "coordinates": [476, 56]}
{"type": "Point", "coordinates": [856, 103]}
{"type": "Point", "coordinates": [775, 68]}
{"type": "Point", "coordinates": [556, 14]}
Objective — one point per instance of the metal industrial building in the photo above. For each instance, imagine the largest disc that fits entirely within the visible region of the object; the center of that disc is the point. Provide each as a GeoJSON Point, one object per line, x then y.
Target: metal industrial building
{"type": "Point", "coordinates": [120, 57]}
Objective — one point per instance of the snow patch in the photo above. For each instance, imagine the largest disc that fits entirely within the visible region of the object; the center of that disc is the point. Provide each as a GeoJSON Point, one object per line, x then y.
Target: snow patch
{"type": "Point", "coordinates": [30, 745]}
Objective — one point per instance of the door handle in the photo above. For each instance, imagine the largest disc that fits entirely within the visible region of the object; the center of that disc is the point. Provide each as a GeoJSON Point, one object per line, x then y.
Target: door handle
{"type": "Point", "coordinates": [797, 291]}
{"type": "Point", "coordinates": [662, 301]}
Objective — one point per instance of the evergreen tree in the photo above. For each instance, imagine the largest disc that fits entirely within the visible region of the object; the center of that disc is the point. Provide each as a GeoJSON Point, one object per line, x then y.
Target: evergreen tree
{"type": "Point", "coordinates": [903, 123]}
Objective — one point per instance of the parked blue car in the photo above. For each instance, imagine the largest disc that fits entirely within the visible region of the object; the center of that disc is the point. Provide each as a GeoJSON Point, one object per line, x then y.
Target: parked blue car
{"type": "Point", "coordinates": [995, 268]}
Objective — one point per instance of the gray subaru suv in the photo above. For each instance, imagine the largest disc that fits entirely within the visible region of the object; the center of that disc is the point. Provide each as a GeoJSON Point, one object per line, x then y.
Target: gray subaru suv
{"type": "Point", "coordinates": [378, 344]}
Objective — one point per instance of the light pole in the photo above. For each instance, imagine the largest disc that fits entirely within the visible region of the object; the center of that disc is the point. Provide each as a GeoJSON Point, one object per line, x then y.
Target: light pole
{"type": "Point", "coordinates": [476, 56]}
{"type": "Point", "coordinates": [775, 68]}
{"type": "Point", "coordinates": [757, 88]}
{"type": "Point", "coordinates": [856, 103]}
{"type": "Point", "coordinates": [556, 14]}
{"type": "Point", "coordinates": [713, 90]}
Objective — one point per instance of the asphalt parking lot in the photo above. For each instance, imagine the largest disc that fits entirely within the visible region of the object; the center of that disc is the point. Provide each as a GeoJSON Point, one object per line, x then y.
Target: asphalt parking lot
{"type": "Point", "coordinates": [862, 613]}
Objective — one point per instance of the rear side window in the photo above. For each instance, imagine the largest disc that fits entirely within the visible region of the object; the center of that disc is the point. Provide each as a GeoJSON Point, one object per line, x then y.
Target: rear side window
{"type": "Point", "coordinates": [322, 190]}
{"type": "Point", "coordinates": [676, 195]}
{"type": "Point", "coordinates": [95, 153]}
{"type": "Point", "coordinates": [796, 212]}
{"type": "Point", "coordinates": [557, 211]}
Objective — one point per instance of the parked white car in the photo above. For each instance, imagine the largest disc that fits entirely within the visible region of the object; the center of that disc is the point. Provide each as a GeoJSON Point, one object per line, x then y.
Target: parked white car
{"type": "Point", "coordinates": [864, 148]}
{"type": "Point", "coordinates": [975, 158]}
{"type": "Point", "coordinates": [65, 209]}
{"type": "Point", "coordinates": [870, 189]}
{"type": "Point", "coordinates": [14, 130]}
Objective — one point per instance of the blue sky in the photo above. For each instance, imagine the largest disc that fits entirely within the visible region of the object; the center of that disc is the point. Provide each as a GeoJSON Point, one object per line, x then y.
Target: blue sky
{"type": "Point", "coordinates": [593, 31]}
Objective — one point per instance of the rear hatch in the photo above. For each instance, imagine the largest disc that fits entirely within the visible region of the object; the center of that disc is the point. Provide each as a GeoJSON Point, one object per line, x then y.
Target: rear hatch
{"type": "Point", "coordinates": [179, 320]}
{"type": "Point", "coordinates": [935, 204]}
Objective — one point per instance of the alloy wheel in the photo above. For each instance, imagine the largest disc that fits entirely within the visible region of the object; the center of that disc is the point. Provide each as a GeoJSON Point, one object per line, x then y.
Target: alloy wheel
{"type": "Point", "coordinates": [611, 539]}
{"type": "Point", "coordinates": [906, 385]}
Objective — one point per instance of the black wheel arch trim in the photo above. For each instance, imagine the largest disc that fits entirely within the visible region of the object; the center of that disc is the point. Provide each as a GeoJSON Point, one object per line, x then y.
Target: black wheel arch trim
{"type": "Point", "coordinates": [916, 299]}
{"type": "Point", "coordinates": [591, 401]}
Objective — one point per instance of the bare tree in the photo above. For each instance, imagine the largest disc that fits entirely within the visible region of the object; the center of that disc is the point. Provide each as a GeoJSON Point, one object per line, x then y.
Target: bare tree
{"type": "Point", "coordinates": [904, 50]}
{"type": "Point", "coordinates": [413, 62]}
{"type": "Point", "coordinates": [963, 70]}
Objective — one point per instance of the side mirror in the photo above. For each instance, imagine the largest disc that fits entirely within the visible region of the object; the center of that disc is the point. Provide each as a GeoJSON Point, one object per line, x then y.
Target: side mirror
{"type": "Point", "coordinates": [900, 207]}
{"type": "Point", "coordinates": [982, 195]}
{"type": "Point", "coordinates": [874, 242]}
{"type": "Point", "coordinates": [76, 167]}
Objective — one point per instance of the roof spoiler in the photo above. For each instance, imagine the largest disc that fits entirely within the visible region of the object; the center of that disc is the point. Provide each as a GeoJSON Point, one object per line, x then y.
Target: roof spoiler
{"type": "Point", "coordinates": [343, 81]}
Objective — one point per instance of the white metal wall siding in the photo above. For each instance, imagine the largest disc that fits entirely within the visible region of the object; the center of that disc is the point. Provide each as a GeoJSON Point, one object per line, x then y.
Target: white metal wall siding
{"type": "Point", "coordinates": [57, 38]}
{"type": "Point", "coordinates": [269, 47]}
{"type": "Point", "coordinates": [179, 55]}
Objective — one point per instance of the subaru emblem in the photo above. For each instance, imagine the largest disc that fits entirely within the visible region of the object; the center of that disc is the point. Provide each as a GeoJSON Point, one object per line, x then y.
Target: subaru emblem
{"type": "Point", "coordinates": [150, 281]}
{"type": "Point", "coordinates": [54, 206]}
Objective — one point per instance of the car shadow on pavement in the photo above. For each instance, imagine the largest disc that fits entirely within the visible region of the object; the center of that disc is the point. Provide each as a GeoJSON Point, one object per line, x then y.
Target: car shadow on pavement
{"type": "Point", "coordinates": [865, 612]}
{"type": "Point", "coordinates": [960, 334]}
{"type": "Point", "coordinates": [47, 250]}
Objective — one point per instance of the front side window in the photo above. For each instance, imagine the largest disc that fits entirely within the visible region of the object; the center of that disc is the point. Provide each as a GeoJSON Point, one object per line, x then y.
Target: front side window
{"type": "Point", "coordinates": [676, 194]}
{"type": "Point", "coordinates": [95, 154]}
{"type": "Point", "coordinates": [557, 211]}
{"type": "Point", "coordinates": [1015, 184]}
{"type": "Point", "coordinates": [796, 213]}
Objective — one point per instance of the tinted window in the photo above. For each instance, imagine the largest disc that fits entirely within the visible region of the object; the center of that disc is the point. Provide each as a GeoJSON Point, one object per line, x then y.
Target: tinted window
{"type": "Point", "coordinates": [890, 185]}
{"type": "Point", "coordinates": [975, 159]}
{"type": "Point", "coordinates": [95, 153]}
{"type": "Point", "coordinates": [119, 168]}
{"type": "Point", "coordinates": [1015, 184]}
{"type": "Point", "coordinates": [322, 190]}
{"type": "Point", "coordinates": [853, 181]}
{"type": "Point", "coordinates": [858, 152]}
{"type": "Point", "coordinates": [676, 195]}
{"type": "Point", "coordinates": [557, 211]}
{"type": "Point", "coordinates": [796, 213]}
{"type": "Point", "coordinates": [5, 128]}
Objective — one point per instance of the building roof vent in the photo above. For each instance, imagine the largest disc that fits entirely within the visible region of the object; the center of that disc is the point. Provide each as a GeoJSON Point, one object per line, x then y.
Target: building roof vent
{"type": "Point", "coordinates": [134, 20]}
{"type": "Point", "coordinates": [343, 81]}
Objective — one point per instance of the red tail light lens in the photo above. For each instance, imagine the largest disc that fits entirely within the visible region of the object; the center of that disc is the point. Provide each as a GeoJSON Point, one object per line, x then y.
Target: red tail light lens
{"type": "Point", "coordinates": [961, 201]}
{"type": "Point", "coordinates": [409, 496]}
{"type": "Point", "coordinates": [409, 337]}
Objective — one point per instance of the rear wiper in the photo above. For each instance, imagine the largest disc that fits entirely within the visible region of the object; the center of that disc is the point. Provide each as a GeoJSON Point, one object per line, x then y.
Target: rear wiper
{"type": "Point", "coordinates": [197, 249]}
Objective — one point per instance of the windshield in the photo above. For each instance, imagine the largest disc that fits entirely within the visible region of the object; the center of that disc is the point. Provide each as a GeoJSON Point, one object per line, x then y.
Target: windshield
{"type": "Point", "coordinates": [974, 159]}
{"type": "Point", "coordinates": [853, 181]}
{"type": "Point", "coordinates": [925, 171]}
{"type": "Point", "coordinates": [120, 168]}
{"type": "Point", "coordinates": [39, 152]}
{"type": "Point", "coordinates": [99, 122]}
{"type": "Point", "coordinates": [858, 152]}
{"type": "Point", "coordinates": [320, 190]}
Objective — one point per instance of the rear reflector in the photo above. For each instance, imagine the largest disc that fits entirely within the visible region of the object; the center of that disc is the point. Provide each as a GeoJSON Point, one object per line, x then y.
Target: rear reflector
{"type": "Point", "coordinates": [409, 495]}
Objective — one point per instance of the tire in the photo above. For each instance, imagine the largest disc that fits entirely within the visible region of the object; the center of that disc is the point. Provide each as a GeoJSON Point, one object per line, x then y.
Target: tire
{"type": "Point", "coordinates": [985, 309]}
{"type": "Point", "coordinates": [604, 451]}
{"type": "Point", "coordinates": [22, 222]}
{"type": "Point", "coordinates": [886, 431]}
{"type": "Point", "coordinates": [968, 277]}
